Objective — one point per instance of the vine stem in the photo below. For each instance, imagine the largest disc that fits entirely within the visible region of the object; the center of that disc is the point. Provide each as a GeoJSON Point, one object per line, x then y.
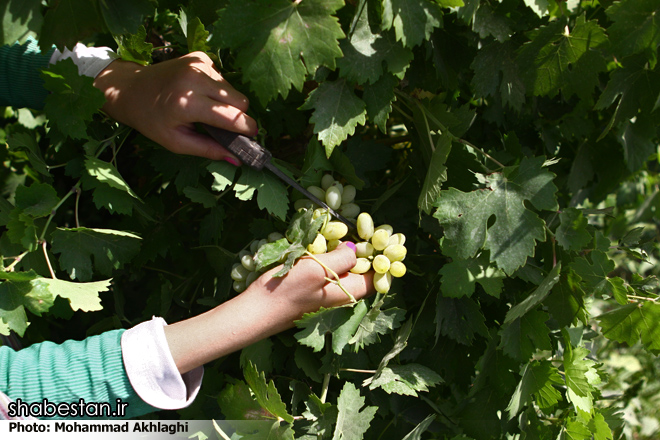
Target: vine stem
{"type": "Point", "coordinates": [324, 387]}
{"type": "Point", "coordinates": [56, 207]}
{"type": "Point", "coordinates": [50, 267]}
{"type": "Point", "coordinates": [17, 260]}
{"type": "Point", "coordinates": [357, 370]}
{"type": "Point", "coordinates": [336, 281]}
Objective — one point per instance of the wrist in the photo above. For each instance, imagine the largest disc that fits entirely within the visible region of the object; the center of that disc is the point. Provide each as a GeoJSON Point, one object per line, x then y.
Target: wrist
{"type": "Point", "coordinates": [116, 81]}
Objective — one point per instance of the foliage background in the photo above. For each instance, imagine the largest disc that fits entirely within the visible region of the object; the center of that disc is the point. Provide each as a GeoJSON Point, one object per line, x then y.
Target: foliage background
{"type": "Point", "coordinates": [514, 142]}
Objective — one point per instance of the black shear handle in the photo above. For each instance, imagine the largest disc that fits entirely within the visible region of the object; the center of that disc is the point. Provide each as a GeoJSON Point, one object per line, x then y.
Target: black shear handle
{"type": "Point", "coordinates": [247, 150]}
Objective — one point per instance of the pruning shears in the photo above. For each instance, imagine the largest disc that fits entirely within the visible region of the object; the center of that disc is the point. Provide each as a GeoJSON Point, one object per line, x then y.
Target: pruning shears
{"type": "Point", "coordinates": [252, 154]}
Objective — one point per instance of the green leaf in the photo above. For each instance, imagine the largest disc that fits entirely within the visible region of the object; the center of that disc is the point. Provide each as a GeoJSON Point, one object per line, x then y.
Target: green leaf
{"type": "Point", "coordinates": [68, 22]}
{"type": "Point", "coordinates": [507, 83]}
{"type": "Point", "coordinates": [566, 301]}
{"type": "Point", "coordinates": [460, 277]}
{"type": "Point", "coordinates": [236, 403]}
{"type": "Point", "coordinates": [576, 430]}
{"type": "Point", "coordinates": [536, 297]}
{"type": "Point", "coordinates": [81, 296]}
{"type": "Point", "coordinates": [124, 16]}
{"type": "Point", "coordinates": [412, 20]}
{"type": "Point", "coordinates": [636, 26]}
{"type": "Point", "coordinates": [406, 380]}
{"type": "Point", "coordinates": [20, 18]}
{"type": "Point", "coordinates": [523, 336]}
{"type": "Point", "coordinates": [559, 58]}
{"type": "Point", "coordinates": [637, 141]}
{"type": "Point", "coordinates": [279, 43]}
{"type": "Point", "coordinates": [22, 230]}
{"type": "Point", "coordinates": [266, 393]}
{"type": "Point", "coordinates": [109, 249]}
{"type": "Point", "coordinates": [344, 333]}
{"type": "Point", "coordinates": [577, 370]}
{"type": "Point", "coordinates": [36, 200]}
{"type": "Point", "coordinates": [488, 23]}
{"type": "Point", "coordinates": [416, 433]}
{"type": "Point", "coordinates": [594, 273]}
{"type": "Point", "coordinates": [378, 100]}
{"type": "Point", "coordinates": [376, 322]}
{"type": "Point", "coordinates": [133, 47]}
{"type": "Point", "coordinates": [599, 427]}
{"type": "Point", "coordinates": [200, 195]}
{"type": "Point", "coordinates": [317, 324]}
{"type": "Point", "coordinates": [572, 232]}
{"type": "Point", "coordinates": [258, 354]}
{"type": "Point", "coordinates": [324, 416]}
{"type": "Point", "coordinates": [353, 419]}
{"type": "Point", "coordinates": [337, 111]}
{"type": "Point", "coordinates": [436, 174]}
{"type": "Point", "coordinates": [271, 192]}
{"type": "Point", "coordinates": [197, 36]}
{"type": "Point", "coordinates": [367, 52]}
{"type": "Point", "coordinates": [459, 319]}
{"type": "Point", "coordinates": [223, 174]}
{"type": "Point", "coordinates": [465, 216]}
{"type": "Point", "coordinates": [26, 143]}
{"type": "Point", "coordinates": [106, 173]}
{"type": "Point", "coordinates": [540, 7]}
{"type": "Point", "coordinates": [630, 323]}
{"type": "Point", "coordinates": [538, 381]}
{"type": "Point", "coordinates": [74, 99]}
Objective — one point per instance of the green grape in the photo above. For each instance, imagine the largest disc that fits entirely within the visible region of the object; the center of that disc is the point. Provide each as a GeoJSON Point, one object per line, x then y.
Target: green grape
{"type": "Point", "coordinates": [320, 212]}
{"type": "Point", "coordinates": [316, 191]}
{"type": "Point", "coordinates": [303, 203]}
{"type": "Point", "coordinates": [362, 266]}
{"type": "Point", "coordinates": [364, 249]}
{"type": "Point", "coordinates": [386, 227]}
{"type": "Point", "coordinates": [254, 246]}
{"type": "Point", "coordinates": [274, 236]}
{"type": "Point", "coordinates": [239, 286]}
{"type": "Point", "coordinates": [333, 197]}
{"type": "Point", "coordinates": [382, 282]}
{"type": "Point", "coordinates": [247, 260]}
{"type": "Point", "coordinates": [395, 252]}
{"type": "Point", "coordinates": [319, 246]}
{"type": "Point", "coordinates": [365, 226]}
{"type": "Point", "coordinates": [251, 277]}
{"type": "Point", "coordinates": [397, 238]}
{"type": "Point", "coordinates": [238, 272]}
{"type": "Point", "coordinates": [349, 194]}
{"type": "Point", "coordinates": [326, 181]}
{"type": "Point", "coordinates": [380, 239]}
{"type": "Point", "coordinates": [381, 264]}
{"type": "Point", "coordinates": [338, 185]}
{"type": "Point", "coordinates": [349, 210]}
{"type": "Point", "coordinates": [397, 269]}
{"type": "Point", "coordinates": [332, 245]}
{"type": "Point", "coordinates": [334, 230]}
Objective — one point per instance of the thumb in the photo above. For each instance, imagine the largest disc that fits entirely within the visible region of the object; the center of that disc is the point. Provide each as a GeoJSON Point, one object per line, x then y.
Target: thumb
{"type": "Point", "coordinates": [342, 259]}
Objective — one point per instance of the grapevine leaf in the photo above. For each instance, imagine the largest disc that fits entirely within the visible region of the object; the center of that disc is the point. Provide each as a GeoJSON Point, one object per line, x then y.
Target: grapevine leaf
{"type": "Point", "coordinates": [400, 343]}
{"type": "Point", "coordinates": [272, 253]}
{"type": "Point", "coordinates": [376, 322]}
{"type": "Point", "coordinates": [512, 237]}
{"type": "Point", "coordinates": [106, 173]}
{"type": "Point", "coordinates": [236, 403]}
{"type": "Point", "coordinates": [536, 297]}
{"type": "Point", "coordinates": [353, 419]}
{"type": "Point", "coordinates": [637, 141]}
{"type": "Point", "coordinates": [324, 416]}
{"type": "Point", "coordinates": [343, 165]}
{"type": "Point", "coordinates": [308, 362]}
{"type": "Point", "coordinates": [459, 319]}
{"type": "Point", "coordinates": [436, 174]}
{"type": "Point", "coordinates": [566, 301]}
{"type": "Point", "coordinates": [632, 322]}
{"type": "Point", "coordinates": [105, 196]}
{"type": "Point", "coordinates": [19, 19]}
{"type": "Point", "coordinates": [412, 20]}
{"type": "Point", "coordinates": [22, 230]}
{"type": "Point", "coordinates": [73, 100]}
{"type": "Point", "coordinates": [317, 324]}
{"type": "Point", "coordinates": [81, 296]}
{"type": "Point", "coordinates": [271, 192]}
{"type": "Point", "coordinates": [366, 52]}
{"type": "Point", "coordinates": [223, 174]}
{"type": "Point", "coordinates": [36, 200]}
{"type": "Point", "coordinates": [460, 277]}
{"type": "Point", "coordinates": [406, 380]}
{"type": "Point", "coordinates": [599, 427]}
{"type": "Point", "coordinates": [523, 336]}
{"type": "Point", "coordinates": [488, 23]}
{"type": "Point", "coordinates": [109, 249]}
{"type": "Point", "coordinates": [266, 393]}
{"type": "Point", "coordinates": [200, 195]}
{"type": "Point", "coordinates": [27, 144]}
{"type": "Point", "coordinates": [636, 26]}
{"type": "Point", "coordinates": [416, 433]}
{"type": "Point", "coordinates": [315, 164]}
{"type": "Point", "coordinates": [259, 354]}
{"type": "Point", "coordinates": [337, 111]}
{"type": "Point", "coordinates": [67, 22]}
{"type": "Point", "coordinates": [279, 43]}
{"type": "Point", "coordinates": [558, 59]}
{"type": "Point", "coordinates": [124, 16]}
{"type": "Point", "coordinates": [197, 36]}
{"type": "Point", "coordinates": [378, 100]}
{"type": "Point", "coordinates": [538, 381]}
{"type": "Point", "coordinates": [133, 47]}
{"type": "Point", "coordinates": [594, 273]}
{"type": "Point", "coordinates": [576, 430]}
{"type": "Point", "coordinates": [540, 7]}
{"type": "Point", "coordinates": [344, 333]}
{"type": "Point", "coordinates": [572, 232]}
{"type": "Point", "coordinates": [577, 371]}
{"type": "Point", "coordinates": [499, 58]}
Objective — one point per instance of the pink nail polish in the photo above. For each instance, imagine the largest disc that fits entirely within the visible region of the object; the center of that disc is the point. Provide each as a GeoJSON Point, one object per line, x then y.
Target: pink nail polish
{"type": "Point", "coordinates": [231, 160]}
{"type": "Point", "coordinates": [256, 133]}
{"type": "Point", "coordinates": [351, 245]}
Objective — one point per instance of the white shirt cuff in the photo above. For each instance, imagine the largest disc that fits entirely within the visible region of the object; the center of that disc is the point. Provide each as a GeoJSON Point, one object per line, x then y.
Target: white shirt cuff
{"type": "Point", "coordinates": [151, 369]}
{"type": "Point", "coordinates": [90, 60]}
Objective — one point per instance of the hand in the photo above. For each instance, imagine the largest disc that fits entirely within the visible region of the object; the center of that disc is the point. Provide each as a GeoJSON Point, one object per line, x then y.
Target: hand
{"type": "Point", "coordinates": [163, 101]}
{"type": "Point", "coordinates": [269, 306]}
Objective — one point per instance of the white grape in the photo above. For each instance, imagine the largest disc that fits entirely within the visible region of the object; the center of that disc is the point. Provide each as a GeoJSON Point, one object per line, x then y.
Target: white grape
{"type": "Point", "coordinates": [334, 230]}
{"type": "Point", "coordinates": [319, 246]}
{"type": "Point", "coordinates": [365, 226]}
{"type": "Point", "coordinates": [362, 266]}
{"type": "Point", "coordinates": [380, 239]}
{"type": "Point", "coordinates": [381, 264]}
{"type": "Point", "coordinates": [349, 194]}
{"type": "Point", "coordinates": [326, 181]}
{"type": "Point", "coordinates": [395, 252]}
{"type": "Point", "coordinates": [333, 197]}
{"type": "Point", "coordinates": [364, 249]}
{"type": "Point", "coordinates": [382, 282]}
{"type": "Point", "coordinates": [397, 269]}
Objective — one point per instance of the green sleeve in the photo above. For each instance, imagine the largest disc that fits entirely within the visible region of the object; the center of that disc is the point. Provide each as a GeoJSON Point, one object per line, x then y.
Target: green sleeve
{"type": "Point", "coordinates": [92, 370]}
{"type": "Point", "coordinates": [20, 75]}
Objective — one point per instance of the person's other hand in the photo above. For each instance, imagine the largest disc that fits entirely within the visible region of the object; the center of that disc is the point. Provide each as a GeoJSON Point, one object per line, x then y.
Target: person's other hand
{"type": "Point", "coordinates": [163, 101]}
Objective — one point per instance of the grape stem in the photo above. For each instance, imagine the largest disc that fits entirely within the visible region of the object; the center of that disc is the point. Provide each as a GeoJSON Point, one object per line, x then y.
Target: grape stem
{"type": "Point", "coordinates": [336, 281]}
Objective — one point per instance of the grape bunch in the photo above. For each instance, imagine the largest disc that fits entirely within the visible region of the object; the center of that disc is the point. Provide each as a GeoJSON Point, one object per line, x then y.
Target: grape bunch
{"type": "Point", "coordinates": [377, 248]}
{"type": "Point", "coordinates": [245, 272]}
{"type": "Point", "coordinates": [382, 249]}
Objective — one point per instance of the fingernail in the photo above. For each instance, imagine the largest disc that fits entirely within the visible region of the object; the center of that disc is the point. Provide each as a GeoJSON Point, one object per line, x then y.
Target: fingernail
{"type": "Point", "coordinates": [231, 160]}
{"type": "Point", "coordinates": [351, 245]}
{"type": "Point", "coordinates": [256, 133]}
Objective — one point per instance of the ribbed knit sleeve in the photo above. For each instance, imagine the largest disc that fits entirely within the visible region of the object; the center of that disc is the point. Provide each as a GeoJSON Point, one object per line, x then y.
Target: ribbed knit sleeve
{"type": "Point", "coordinates": [92, 370]}
{"type": "Point", "coordinates": [20, 75]}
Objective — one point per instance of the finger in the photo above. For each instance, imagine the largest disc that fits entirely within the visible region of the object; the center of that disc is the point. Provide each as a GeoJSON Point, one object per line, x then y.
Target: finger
{"type": "Point", "coordinates": [222, 115]}
{"type": "Point", "coordinates": [359, 285]}
{"type": "Point", "coordinates": [341, 260]}
{"type": "Point", "coordinates": [220, 90]}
